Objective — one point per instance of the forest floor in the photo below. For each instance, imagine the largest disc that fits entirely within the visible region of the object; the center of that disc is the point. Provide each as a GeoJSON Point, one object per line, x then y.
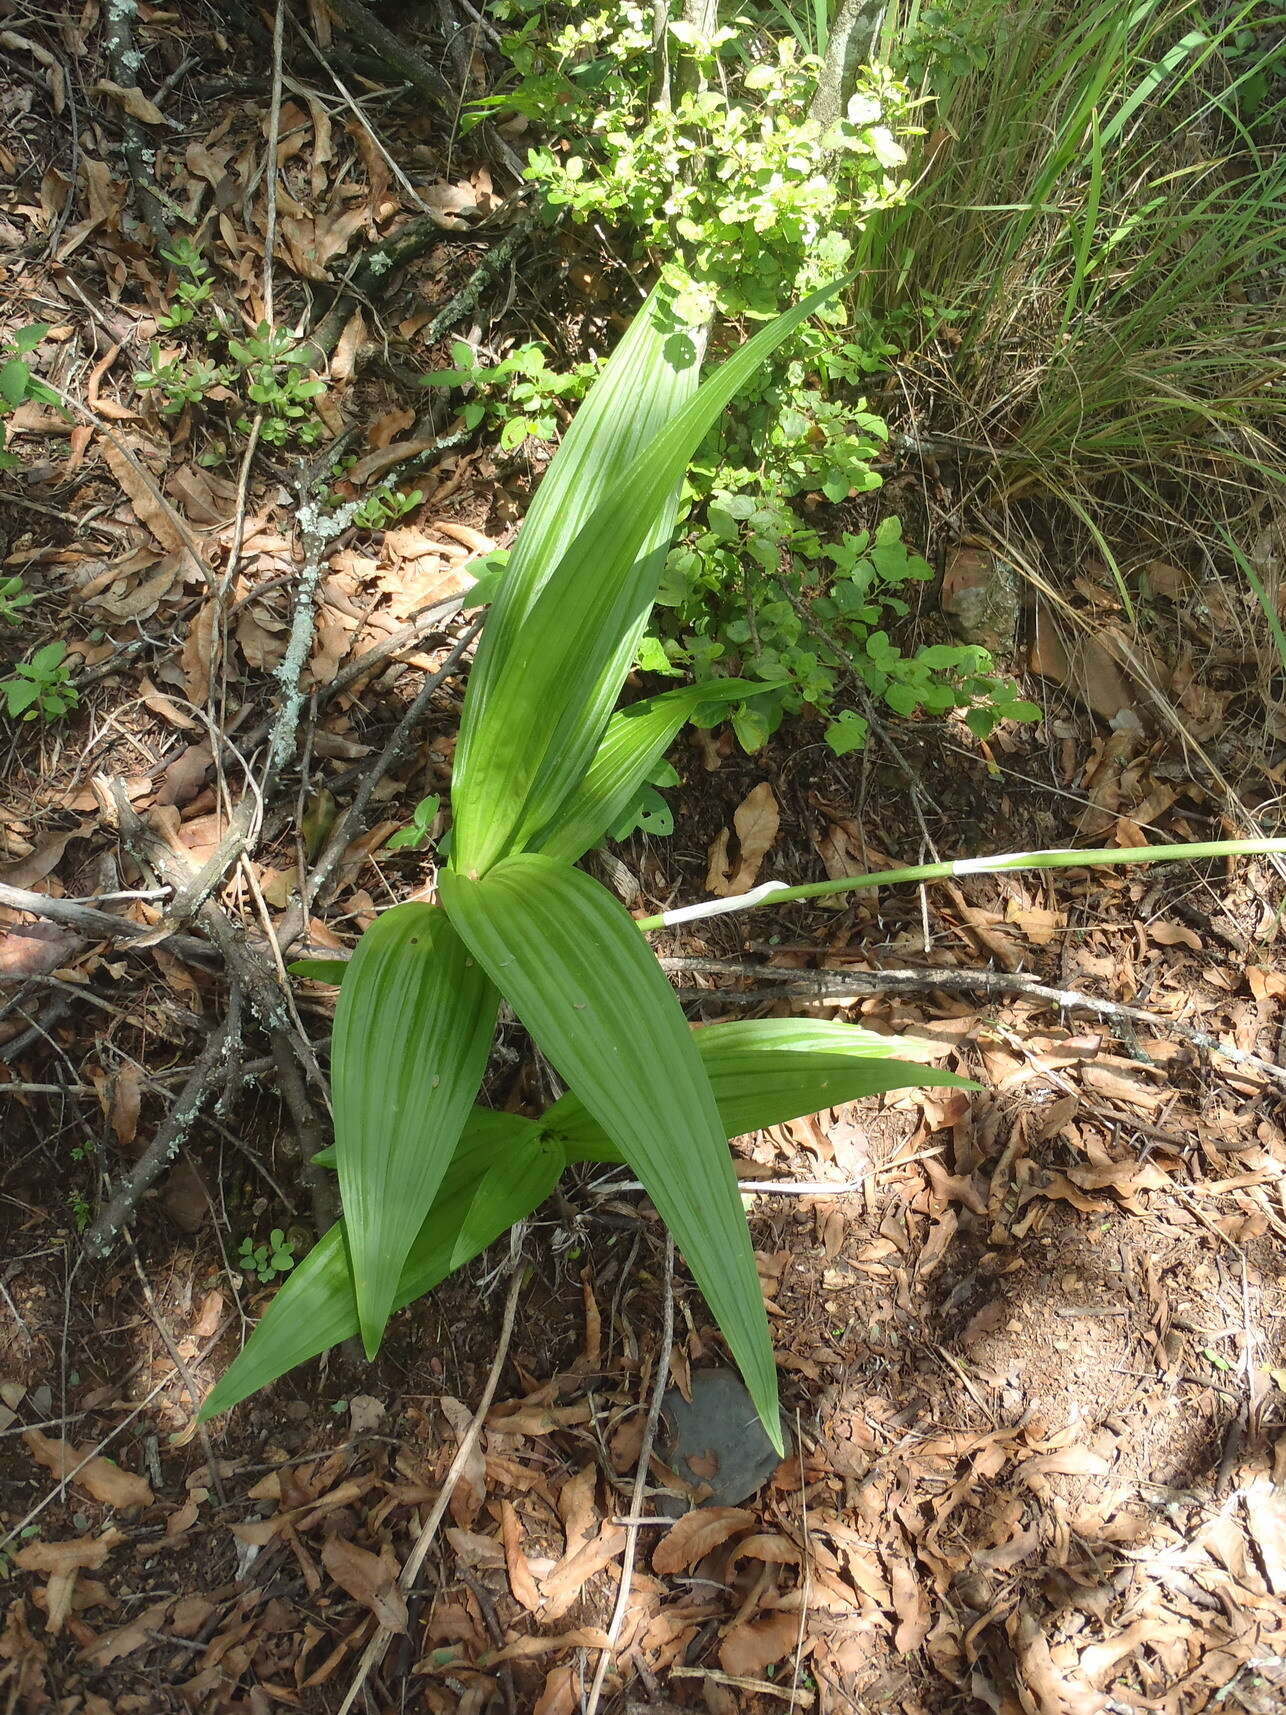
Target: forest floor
{"type": "Point", "coordinates": [1030, 1338]}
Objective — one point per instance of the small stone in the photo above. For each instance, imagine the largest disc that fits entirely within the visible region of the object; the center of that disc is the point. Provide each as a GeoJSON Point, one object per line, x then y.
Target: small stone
{"type": "Point", "coordinates": [719, 1432]}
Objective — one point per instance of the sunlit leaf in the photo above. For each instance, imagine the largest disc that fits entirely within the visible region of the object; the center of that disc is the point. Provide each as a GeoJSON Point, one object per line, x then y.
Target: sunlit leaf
{"type": "Point", "coordinates": [582, 979]}
{"type": "Point", "coordinates": [550, 668]}
{"type": "Point", "coordinates": [764, 1071]}
{"type": "Point", "coordinates": [412, 1031]}
{"type": "Point", "coordinates": [636, 738]}
{"type": "Point", "coordinates": [502, 1169]}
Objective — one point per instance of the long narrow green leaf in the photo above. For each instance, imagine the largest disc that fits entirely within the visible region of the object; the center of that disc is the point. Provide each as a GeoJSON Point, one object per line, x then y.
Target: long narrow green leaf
{"type": "Point", "coordinates": [764, 1071]}
{"type": "Point", "coordinates": [635, 741]}
{"type": "Point", "coordinates": [502, 1169]}
{"type": "Point", "coordinates": [654, 368]}
{"type": "Point", "coordinates": [577, 972]}
{"type": "Point", "coordinates": [412, 1030]}
{"type": "Point", "coordinates": [529, 734]}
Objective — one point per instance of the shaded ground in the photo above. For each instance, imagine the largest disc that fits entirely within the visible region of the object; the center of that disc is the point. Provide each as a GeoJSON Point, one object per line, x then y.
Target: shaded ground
{"type": "Point", "coordinates": [1032, 1362]}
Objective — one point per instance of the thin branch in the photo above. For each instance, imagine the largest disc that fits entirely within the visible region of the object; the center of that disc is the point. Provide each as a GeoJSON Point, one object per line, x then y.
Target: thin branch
{"type": "Point", "coordinates": [834, 986]}
{"type": "Point", "coordinates": [164, 1148]}
{"type": "Point", "coordinates": [374, 1651]}
{"type": "Point", "coordinates": [640, 1482]}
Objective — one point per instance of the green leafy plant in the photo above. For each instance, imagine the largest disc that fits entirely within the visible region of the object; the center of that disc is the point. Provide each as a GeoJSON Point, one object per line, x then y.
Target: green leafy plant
{"type": "Point", "coordinates": [543, 768]}
{"type": "Point", "coordinates": [385, 507]}
{"type": "Point", "coordinates": [19, 382]}
{"type": "Point", "coordinates": [194, 289]}
{"type": "Point", "coordinates": [272, 363]}
{"type": "Point", "coordinates": [13, 598]}
{"type": "Point", "coordinates": [421, 827]}
{"type": "Point", "coordinates": [265, 1260]}
{"type": "Point", "coordinates": [41, 686]}
{"type": "Point", "coordinates": [765, 199]}
{"type": "Point", "coordinates": [427, 1177]}
{"type": "Point", "coordinates": [179, 383]}
{"type": "Point", "coordinates": [262, 374]}
{"type": "Point", "coordinates": [810, 617]}
{"type": "Point", "coordinates": [520, 393]}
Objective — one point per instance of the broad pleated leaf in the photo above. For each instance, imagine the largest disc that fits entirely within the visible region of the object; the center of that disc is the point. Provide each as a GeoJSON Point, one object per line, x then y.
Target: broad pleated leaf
{"type": "Point", "coordinates": [413, 1028]}
{"type": "Point", "coordinates": [502, 1169]}
{"type": "Point", "coordinates": [653, 370]}
{"type": "Point", "coordinates": [767, 1070]}
{"type": "Point", "coordinates": [582, 979]}
{"type": "Point", "coordinates": [531, 728]}
{"type": "Point", "coordinates": [635, 741]}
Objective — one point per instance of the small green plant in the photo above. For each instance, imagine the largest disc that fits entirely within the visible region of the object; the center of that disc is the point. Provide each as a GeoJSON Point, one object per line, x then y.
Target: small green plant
{"type": "Point", "coordinates": [81, 1210]}
{"type": "Point", "coordinates": [428, 1177]}
{"type": "Point", "coordinates": [266, 1260]}
{"type": "Point", "coordinates": [179, 383]}
{"type": "Point", "coordinates": [19, 382]}
{"type": "Point", "coordinates": [421, 827]}
{"type": "Point", "coordinates": [520, 393]}
{"type": "Point", "coordinates": [263, 373]}
{"type": "Point", "coordinates": [272, 363]}
{"type": "Point", "coordinates": [759, 594]}
{"type": "Point", "coordinates": [193, 292]}
{"type": "Point", "coordinates": [385, 507]}
{"type": "Point", "coordinates": [649, 813]}
{"type": "Point", "coordinates": [13, 598]}
{"type": "Point", "coordinates": [543, 769]}
{"type": "Point", "coordinates": [41, 686]}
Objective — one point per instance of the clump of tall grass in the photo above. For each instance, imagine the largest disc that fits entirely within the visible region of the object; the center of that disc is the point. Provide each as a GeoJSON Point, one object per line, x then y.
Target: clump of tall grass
{"type": "Point", "coordinates": [1090, 267]}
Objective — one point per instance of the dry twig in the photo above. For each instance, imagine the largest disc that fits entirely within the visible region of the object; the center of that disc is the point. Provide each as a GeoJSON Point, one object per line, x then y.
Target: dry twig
{"type": "Point", "coordinates": [374, 1651]}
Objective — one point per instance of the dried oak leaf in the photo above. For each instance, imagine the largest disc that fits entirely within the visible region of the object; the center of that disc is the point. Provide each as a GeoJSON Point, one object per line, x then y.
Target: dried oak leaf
{"type": "Point", "coordinates": [755, 821]}
{"type": "Point", "coordinates": [692, 1538]}
{"type": "Point", "coordinates": [34, 950]}
{"type": "Point", "coordinates": [577, 1510]}
{"type": "Point", "coordinates": [521, 1582]}
{"type": "Point", "coordinates": [751, 1647]}
{"type": "Point", "coordinates": [101, 1480]}
{"type": "Point", "coordinates": [563, 1585]}
{"type": "Point", "coordinates": [370, 1579]}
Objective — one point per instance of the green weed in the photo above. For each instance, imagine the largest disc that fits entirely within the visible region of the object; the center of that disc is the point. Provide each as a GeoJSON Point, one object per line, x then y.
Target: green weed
{"type": "Point", "coordinates": [19, 382]}
{"type": "Point", "coordinates": [40, 687]}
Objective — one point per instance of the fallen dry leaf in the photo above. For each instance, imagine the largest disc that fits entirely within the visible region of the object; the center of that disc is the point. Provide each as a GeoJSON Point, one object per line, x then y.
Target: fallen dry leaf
{"type": "Point", "coordinates": [370, 1579]}
{"type": "Point", "coordinates": [692, 1538]}
{"type": "Point", "coordinates": [521, 1582]}
{"type": "Point", "coordinates": [754, 1645]}
{"type": "Point", "coordinates": [101, 1480]}
{"type": "Point", "coordinates": [39, 862]}
{"type": "Point", "coordinates": [82, 1553]}
{"type": "Point", "coordinates": [755, 823]}
{"type": "Point", "coordinates": [127, 1096]}
{"type": "Point", "coordinates": [132, 100]}
{"type": "Point", "coordinates": [563, 1585]}
{"type": "Point", "coordinates": [149, 508]}
{"type": "Point", "coordinates": [910, 1604]}
{"type": "Point", "coordinates": [35, 949]}
{"type": "Point", "coordinates": [198, 655]}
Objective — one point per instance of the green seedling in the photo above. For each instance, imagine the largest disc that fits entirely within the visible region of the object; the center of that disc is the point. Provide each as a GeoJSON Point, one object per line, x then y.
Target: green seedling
{"type": "Point", "coordinates": [385, 507]}
{"type": "Point", "coordinates": [19, 382]}
{"type": "Point", "coordinates": [40, 687]}
{"type": "Point", "coordinates": [13, 598]}
{"type": "Point", "coordinates": [265, 1261]}
{"type": "Point", "coordinates": [419, 832]}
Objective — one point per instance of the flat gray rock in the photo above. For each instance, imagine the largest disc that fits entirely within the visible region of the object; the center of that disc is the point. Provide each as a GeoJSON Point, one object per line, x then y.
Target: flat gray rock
{"type": "Point", "coordinates": [717, 1438]}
